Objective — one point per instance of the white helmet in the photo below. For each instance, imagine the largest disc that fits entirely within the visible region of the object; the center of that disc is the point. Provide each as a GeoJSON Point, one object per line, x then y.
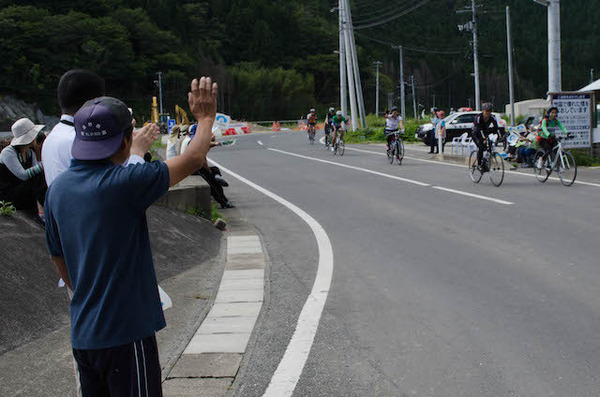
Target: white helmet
{"type": "Point", "coordinates": [312, 110]}
{"type": "Point", "coordinates": [332, 109]}
{"type": "Point", "coordinates": [339, 112]}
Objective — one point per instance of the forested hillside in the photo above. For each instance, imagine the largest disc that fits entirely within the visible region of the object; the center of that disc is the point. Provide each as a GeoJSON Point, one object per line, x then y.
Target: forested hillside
{"type": "Point", "coordinates": [275, 58]}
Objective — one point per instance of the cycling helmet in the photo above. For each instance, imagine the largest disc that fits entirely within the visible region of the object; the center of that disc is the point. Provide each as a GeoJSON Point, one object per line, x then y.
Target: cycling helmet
{"type": "Point", "coordinates": [550, 110]}
{"type": "Point", "coordinates": [394, 109]}
{"type": "Point", "coordinates": [331, 109]}
{"type": "Point", "coordinates": [487, 106]}
{"type": "Point", "coordinates": [339, 112]}
{"type": "Point", "coordinates": [312, 110]}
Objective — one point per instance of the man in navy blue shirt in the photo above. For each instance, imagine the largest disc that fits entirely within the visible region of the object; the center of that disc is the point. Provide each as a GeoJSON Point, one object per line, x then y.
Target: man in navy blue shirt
{"type": "Point", "coordinates": [97, 235]}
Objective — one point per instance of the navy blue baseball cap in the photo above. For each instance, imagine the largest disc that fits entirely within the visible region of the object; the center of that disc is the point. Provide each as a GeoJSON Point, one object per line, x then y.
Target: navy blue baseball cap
{"type": "Point", "coordinates": [99, 128]}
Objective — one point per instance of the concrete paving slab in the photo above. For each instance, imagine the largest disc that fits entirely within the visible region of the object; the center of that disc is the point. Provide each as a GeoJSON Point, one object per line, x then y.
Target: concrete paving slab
{"type": "Point", "coordinates": [248, 274]}
{"type": "Point", "coordinates": [243, 238]}
{"type": "Point", "coordinates": [205, 365]}
{"type": "Point", "coordinates": [251, 295]}
{"type": "Point", "coordinates": [235, 309]}
{"type": "Point", "coordinates": [180, 387]}
{"type": "Point", "coordinates": [239, 324]}
{"type": "Point", "coordinates": [258, 263]}
{"type": "Point", "coordinates": [241, 285]}
{"type": "Point", "coordinates": [241, 258]}
{"type": "Point", "coordinates": [218, 343]}
{"type": "Point", "coordinates": [244, 250]}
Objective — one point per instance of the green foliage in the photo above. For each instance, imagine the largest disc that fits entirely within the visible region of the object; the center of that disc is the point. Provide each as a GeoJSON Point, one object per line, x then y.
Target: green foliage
{"type": "Point", "coordinates": [374, 132]}
{"type": "Point", "coordinates": [198, 211]}
{"type": "Point", "coordinates": [583, 158]}
{"type": "Point", "coordinates": [6, 208]}
{"type": "Point", "coordinates": [214, 212]}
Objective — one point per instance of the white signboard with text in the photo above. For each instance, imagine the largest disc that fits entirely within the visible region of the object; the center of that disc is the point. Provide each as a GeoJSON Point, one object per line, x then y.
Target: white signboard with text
{"type": "Point", "coordinates": [575, 112]}
{"type": "Point", "coordinates": [221, 122]}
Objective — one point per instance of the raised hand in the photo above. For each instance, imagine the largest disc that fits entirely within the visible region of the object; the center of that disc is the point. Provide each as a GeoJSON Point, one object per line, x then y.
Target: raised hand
{"type": "Point", "coordinates": [203, 99]}
{"type": "Point", "coordinates": [143, 139]}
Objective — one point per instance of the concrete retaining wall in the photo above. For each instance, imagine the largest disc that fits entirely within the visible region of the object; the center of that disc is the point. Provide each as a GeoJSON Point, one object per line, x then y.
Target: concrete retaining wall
{"type": "Point", "coordinates": [192, 192]}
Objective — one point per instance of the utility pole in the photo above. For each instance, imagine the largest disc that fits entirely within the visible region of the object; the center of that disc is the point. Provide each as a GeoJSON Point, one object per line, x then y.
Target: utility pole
{"type": "Point", "coordinates": [343, 80]}
{"type": "Point", "coordinates": [554, 58]}
{"type": "Point", "coordinates": [349, 67]}
{"type": "Point", "coordinates": [511, 87]}
{"type": "Point", "coordinates": [591, 75]}
{"type": "Point", "coordinates": [402, 93]}
{"type": "Point", "coordinates": [160, 91]}
{"type": "Point", "coordinates": [475, 58]}
{"type": "Point", "coordinates": [414, 95]}
{"type": "Point", "coordinates": [377, 66]}
{"type": "Point", "coordinates": [359, 93]}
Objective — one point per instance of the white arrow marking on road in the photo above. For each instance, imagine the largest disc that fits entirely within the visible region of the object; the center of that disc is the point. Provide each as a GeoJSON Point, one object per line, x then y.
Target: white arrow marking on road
{"type": "Point", "coordinates": [260, 143]}
{"type": "Point", "coordinates": [284, 380]}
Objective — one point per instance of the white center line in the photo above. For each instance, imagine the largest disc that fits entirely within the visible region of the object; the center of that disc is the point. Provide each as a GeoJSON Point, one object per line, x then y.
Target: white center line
{"type": "Point", "coordinates": [472, 195]}
{"type": "Point", "coordinates": [352, 167]}
{"type": "Point", "coordinates": [290, 367]}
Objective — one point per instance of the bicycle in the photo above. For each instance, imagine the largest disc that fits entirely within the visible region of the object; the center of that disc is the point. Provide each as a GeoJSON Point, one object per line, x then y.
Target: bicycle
{"type": "Point", "coordinates": [328, 129]}
{"type": "Point", "coordinates": [564, 163]}
{"type": "Point", "coordinates": [395, 150]}
{"type": "Point", "coordinates": [339, 145]}
{"type": "Point", "coordinates": [492, 163]}
{"type": "Point", "coordinates": [311, 134]}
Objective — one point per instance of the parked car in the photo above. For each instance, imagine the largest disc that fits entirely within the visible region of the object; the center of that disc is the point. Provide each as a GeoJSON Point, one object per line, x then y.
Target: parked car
{"type": "Point", "coordinates": [456, 124]}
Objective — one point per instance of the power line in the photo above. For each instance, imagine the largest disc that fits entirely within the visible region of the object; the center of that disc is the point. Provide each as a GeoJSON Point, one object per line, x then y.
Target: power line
{"type": "Point", "coordinates": [415, 49]}
{"type": "Point", "coordinates": [400, 14]}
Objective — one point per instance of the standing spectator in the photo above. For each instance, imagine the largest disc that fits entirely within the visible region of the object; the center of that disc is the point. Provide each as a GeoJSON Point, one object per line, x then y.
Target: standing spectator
{"type": "Point", "coordinates": [21, 174]}
{"type": "Point", "coordinates": [434, 121]}
{"type": "Point", "coordinates": [440, 131]}
{"type": "Point", "coordinates": [74, 88]}
{"type": "Point", "coordinates": [98, 238]}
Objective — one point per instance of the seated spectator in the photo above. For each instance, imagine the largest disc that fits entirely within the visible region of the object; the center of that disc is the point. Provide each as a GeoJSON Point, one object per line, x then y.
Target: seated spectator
{"type": "Point", "coordinates": [21, 173]}
{"type": "Point", "coordinates": [528, 149]}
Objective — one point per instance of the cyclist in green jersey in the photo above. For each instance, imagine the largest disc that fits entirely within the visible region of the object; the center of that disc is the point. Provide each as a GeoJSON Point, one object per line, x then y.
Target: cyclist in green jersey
{"type": "Point", "coordinates": [547, 137]}
{"type": "Point", "coordinates": [338, 119]}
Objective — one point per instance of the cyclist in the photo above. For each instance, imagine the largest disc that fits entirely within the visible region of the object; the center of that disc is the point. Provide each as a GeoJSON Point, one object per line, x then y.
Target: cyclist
{"type": "Point", "coordinates": [329, 122]}
{"type": "Point", "coordinates": [484, 125]}
{"type": "Point", "coordinates": [311, 120]}
{"type": "Point", "coordinates": [547, 137]}
{"type": "Point", "coordinates": [392, 122]}
{"type": "Point", "coordinates": [338, 119]}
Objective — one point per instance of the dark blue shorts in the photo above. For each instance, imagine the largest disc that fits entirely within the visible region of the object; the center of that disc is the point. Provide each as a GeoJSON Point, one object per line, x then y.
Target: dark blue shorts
{"type": "Point", "coordinates": [123, 371]}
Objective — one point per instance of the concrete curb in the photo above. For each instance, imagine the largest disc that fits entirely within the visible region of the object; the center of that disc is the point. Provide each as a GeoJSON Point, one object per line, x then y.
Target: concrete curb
{"type": "Point", "coordinates": [212, 358]}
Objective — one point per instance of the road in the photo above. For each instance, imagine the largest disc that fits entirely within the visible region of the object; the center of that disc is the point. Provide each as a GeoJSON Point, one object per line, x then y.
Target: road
{"type": "Point", "coordinates": [440, 287]}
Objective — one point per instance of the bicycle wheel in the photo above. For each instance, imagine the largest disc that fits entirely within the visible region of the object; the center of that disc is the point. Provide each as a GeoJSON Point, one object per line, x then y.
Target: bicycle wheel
{"type": "Point", "coordinates": [496, 169]}
{"type": "Point", "coordinates": [399, 151]}
{"type": "Point", "coordinates": [567, 168]}
{"type": "Point", "coordinates": [392, 152]}
{"type": "Point", "coordinates": [541, 166]}
{"type": "Point", "coordinates": [341, 146]}
{"type": "Point", "coordinates": [472, 169]}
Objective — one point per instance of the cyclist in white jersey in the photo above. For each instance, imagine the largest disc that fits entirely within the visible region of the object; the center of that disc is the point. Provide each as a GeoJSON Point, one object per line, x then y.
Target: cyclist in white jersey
{"type": "Point", "coordinates": [392, 122]}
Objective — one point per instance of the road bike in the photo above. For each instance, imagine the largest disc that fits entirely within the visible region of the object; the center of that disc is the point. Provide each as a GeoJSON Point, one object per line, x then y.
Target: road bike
{"type": "Point", "coordinates": [311, 134]}
{"type": "Point", "coordinates": [328, 129]}
{"type": "Point", "coordinates": [339, 145]}
{"type": "Point", "coordinates": [491, 163]}
{"type": "Point", "coordinates": [395, 150]}
{"type": "Point", "coordinates": [564, 163]}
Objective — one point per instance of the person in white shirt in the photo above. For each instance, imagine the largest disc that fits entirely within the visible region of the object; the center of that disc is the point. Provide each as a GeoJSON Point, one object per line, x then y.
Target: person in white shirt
{"type": "Point", "coordinates": [393, 121]}
{"type": "Point", "coordinates": [75, 87]}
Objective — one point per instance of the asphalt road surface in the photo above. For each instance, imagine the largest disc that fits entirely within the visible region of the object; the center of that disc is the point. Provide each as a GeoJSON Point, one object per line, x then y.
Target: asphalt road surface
{"type": "Point", "coordinates": [434, 292]}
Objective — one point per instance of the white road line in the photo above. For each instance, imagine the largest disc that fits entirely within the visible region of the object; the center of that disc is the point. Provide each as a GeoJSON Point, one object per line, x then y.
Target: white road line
{"type": "Point", "coordinates": [472, 195]}
{"type": "Point", "coordinates": [290, 368]}
{"type": "Point", "coordinates": [351, 167]}
{"type": "Point", "coordinates": [260, 142]}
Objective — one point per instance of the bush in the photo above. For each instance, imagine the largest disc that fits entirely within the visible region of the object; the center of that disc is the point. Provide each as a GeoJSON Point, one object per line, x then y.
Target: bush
{"type": "Point", "coordinates": [6, 208]}
{"type": "Point", "coordinates": [583, 158]}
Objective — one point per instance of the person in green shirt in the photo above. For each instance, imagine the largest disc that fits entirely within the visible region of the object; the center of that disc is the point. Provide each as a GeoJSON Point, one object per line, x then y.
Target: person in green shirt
{"type": "Point", "coordinates": [338, 119]}
{"type": "Point", "coordinates": [547, 137]}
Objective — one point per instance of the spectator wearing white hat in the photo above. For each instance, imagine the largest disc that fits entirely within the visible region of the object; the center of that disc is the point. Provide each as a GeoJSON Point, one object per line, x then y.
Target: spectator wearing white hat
{"type": "Point", "coordinates": [21, 174]}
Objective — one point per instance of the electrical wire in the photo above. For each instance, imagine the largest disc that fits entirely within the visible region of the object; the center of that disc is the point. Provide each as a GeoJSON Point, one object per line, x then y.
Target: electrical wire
{"type": "Point", "coordinates": [415, 49]}
{"type": "Point", "coordinates": [389, 19]}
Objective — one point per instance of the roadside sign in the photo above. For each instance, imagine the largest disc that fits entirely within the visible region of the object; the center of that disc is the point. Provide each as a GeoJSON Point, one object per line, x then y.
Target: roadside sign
{"type": "Point", "coordinates": [171, 124]}
{"type": "Point", "coordinates": [575, 112]}
{"type": "Point", "coordinates": [221, 122]}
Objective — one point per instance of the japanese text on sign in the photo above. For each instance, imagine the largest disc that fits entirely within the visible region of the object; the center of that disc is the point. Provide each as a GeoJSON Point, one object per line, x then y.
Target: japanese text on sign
{"type": "Point", "coordinates": [574, 111]}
